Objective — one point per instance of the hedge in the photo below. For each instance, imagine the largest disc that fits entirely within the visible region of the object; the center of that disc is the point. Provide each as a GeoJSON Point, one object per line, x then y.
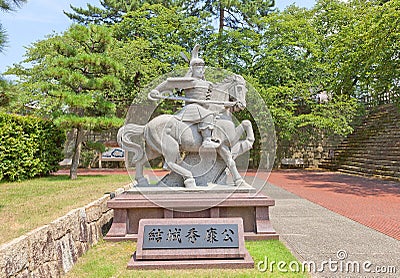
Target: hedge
{"type": "Point", "coordinates": [29, 147]}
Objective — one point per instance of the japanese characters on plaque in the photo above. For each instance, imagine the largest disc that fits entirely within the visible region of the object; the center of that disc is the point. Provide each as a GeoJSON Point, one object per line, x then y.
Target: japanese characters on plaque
{"type": "Point", "coordinates": [190, 236]}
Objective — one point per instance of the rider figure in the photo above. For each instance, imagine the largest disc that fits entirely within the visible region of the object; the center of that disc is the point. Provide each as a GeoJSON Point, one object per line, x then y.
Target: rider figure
{"type": "Point", "coordinates": [195, 88]}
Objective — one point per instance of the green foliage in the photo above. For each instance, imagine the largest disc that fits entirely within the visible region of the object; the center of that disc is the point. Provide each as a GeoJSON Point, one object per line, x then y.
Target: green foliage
{"type": "Point", "coordinates": [231, 14]}
{"type": "Point", "coordinates": [363, 39]}
{"type": "Point", "coordinates": [29, 147]}
{"type": "Point", "coordinates": [88, 123]}
{"type": "Point", "coordinates": [4, 93]}
{"type": "Point", "coordinates": [10, 5]}
{"type": "Point", "coordinates": [3, 38]}
{"type": "Point", "coordinates": [111, 11]}
{"type": "Point", "coordinates": [150, 40]}
{"type": "Point", "coordinates": [72, 73]}
{"type": "Point", "coordinates": [166, 29]}
{"type": "Point", "coordinates": [343, 49]}
{"type": "Point", "coordinates": [73, 80]}
{"type": "Point", "coordinates": [177, 18]}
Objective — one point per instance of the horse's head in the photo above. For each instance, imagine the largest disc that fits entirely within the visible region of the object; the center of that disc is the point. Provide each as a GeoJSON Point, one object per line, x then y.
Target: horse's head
{"type": "Point", "coordinates": [234, 89]}
{"type": "Point", "coordinates": [238, 92]}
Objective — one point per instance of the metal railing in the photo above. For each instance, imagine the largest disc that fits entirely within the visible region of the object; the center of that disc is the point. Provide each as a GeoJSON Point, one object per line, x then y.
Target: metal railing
{"type": "Point", "coordinates": [381, 98]}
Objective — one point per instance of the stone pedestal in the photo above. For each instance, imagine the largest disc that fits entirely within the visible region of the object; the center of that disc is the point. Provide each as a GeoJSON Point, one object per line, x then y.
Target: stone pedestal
{"type": "Point", "coordinates": [132, 206]}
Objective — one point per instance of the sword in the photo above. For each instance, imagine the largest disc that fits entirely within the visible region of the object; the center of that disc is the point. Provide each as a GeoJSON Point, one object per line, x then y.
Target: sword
{"type": "Point", "coordinates": [172, 97]}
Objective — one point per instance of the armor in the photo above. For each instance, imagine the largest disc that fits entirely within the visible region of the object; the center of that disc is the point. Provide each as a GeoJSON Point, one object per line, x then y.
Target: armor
{"type": "Point", "coordinates": [196, 88]}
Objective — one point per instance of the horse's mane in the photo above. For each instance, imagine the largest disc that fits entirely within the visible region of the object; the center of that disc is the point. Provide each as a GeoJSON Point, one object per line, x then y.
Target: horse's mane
{"type": "Point", "coordinates": [228, 84]}
{"type": "Point", "coordinates": [231, 79]}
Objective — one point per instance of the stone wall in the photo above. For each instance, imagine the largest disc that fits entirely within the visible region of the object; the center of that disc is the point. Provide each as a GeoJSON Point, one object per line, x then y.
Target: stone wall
{"type": "Point", "coordinates": [53, 249]}
{"type": "Point", "coordinates": [312, 153]}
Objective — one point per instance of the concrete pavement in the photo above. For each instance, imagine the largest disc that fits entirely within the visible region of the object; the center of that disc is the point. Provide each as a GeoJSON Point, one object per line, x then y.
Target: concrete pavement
{"type": "Point", "coordinates": [317, 235]}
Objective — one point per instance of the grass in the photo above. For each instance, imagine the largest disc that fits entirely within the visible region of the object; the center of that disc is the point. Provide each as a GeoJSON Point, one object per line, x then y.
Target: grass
{"type": "Point", "coordinates": [109, 259]}
{"type": "Point", "coordinates": [27, 205]}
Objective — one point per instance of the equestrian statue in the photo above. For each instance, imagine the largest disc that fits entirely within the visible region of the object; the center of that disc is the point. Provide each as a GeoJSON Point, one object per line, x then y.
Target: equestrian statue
{"type": "Point", "coordinates": [202, 128]}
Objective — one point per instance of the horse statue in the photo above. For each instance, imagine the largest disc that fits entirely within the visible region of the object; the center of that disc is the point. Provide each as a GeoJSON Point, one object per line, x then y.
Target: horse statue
{"type": "Point", "coordinates": [167, 136]}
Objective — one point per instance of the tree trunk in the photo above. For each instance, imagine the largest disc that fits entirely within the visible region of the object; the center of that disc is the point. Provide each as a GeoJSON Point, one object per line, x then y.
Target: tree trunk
{"type": "Point", "coordinates": [73, 172]}
{"type": "Point", "coordinates": [220, 32]}
{"type": "Point", "coordinates": [221, 19]}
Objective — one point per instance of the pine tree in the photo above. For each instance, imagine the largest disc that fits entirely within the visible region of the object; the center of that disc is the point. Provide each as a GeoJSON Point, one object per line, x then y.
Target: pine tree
{"type": "Point", "coordinates": [70, 80]}
{"type": "Point", "coordinates": [7, 5]}
{"type": "Point", "coordinates": [110, 12]}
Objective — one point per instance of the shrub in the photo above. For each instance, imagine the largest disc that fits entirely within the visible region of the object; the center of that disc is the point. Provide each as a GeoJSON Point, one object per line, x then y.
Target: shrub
{"type": "Point", "coordinates": [29, 147]}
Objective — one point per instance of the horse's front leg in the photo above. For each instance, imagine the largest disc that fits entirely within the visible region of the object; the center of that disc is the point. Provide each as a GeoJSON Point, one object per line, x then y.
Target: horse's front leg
{"type": "Point", "coordinates": [240, 147]}
{"type": "Point", "coordinates": [226, 155]}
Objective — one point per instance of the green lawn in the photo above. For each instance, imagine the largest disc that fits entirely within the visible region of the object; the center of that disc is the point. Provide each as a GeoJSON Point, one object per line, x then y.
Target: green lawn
{"type": "Point", "coordinates": [27, 205]}
{"type": "Point", "coordinates": [109, 259]}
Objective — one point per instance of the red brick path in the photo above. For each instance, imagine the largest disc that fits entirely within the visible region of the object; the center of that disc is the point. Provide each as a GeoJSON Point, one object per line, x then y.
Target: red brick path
{"type": "Point", "coordinates": [372, 202]}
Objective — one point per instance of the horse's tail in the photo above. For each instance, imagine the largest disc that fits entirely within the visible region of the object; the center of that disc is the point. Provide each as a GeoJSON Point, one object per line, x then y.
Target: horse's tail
{"type": "Point", "coordinates": [124, 138]}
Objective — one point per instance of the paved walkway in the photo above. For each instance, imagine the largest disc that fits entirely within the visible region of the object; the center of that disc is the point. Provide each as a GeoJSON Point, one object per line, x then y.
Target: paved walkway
{"type": "Point", "coordinates": [374, 203]}
{"type": "Point", "coordinates": [305, 218]}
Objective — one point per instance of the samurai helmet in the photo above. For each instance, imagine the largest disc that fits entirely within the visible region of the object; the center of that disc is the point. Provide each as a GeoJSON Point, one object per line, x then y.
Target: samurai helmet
{"type": "Point", "coordinates": [195, 60]}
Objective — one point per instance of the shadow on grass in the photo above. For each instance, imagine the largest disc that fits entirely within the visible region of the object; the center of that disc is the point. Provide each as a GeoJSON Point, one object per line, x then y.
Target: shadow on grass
{"type": "Point", "coordinates": [56, 178]}
{"type": "Point", "coordinates": [66, 177]}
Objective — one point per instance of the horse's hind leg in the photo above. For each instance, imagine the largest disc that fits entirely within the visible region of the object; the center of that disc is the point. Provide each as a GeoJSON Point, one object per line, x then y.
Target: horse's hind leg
{"type": "Point", "coordinates": [140, 178]}
{"type": "Point", "coordinates": [172, 156]}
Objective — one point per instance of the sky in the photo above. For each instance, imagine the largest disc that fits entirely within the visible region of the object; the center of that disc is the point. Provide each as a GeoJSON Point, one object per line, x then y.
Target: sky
{"type": "Point", "coordinates": [38, 18]}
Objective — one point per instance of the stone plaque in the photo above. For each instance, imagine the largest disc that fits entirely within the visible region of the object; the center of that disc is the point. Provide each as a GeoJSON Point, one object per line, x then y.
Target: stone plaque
{"type": "Point", "coordinates": [191, 236]}
{"type": "Point", "coordinates": [191, 243]}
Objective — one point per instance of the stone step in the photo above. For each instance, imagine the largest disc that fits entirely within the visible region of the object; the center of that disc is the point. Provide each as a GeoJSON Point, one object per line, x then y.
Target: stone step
{"type": "Point", "coordinates": [371, 168]}
{"type": "Point", "coordinates": [382, 133]}
{"type": "Point", "coordinates": [391, 177]}
{"type": "Point", "coordinates": [326, 165]}
{"type": "Point", "coordinates": [390, 150]}
{"type": "Point", "coordinates": [391, 153]}
{"type": "Point", "coordinates": [380, 130]}
{"type": "Point", "coordinates": [392, 143]}
{"type": "Point", "coordinates": [381, 161]}
{"type": "Point", "coordinates": [377, 148]}
{"type": "Point", "coordinates": [384, 162]}
{"type": "Point", "coordinates": [385, 136]}
{"type": "Point", "coordinates": [374, 146]}
{"type": "Point", "coordinates": [369, 154]}
{"type": "Point", "coordinates": [383, 117]}
{"type": "Point", "coordinates": [364, 165]}
{"type": "Point", "coordinates": [375, 121]}
{"type": "Point", "coordinates": [372, 171]}
{"type": "Point", "coordinates": [352, 172]}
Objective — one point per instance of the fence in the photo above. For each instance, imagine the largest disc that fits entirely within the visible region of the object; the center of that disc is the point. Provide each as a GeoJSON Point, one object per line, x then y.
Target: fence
{"type": "Point", "coordinates": [381, 98]}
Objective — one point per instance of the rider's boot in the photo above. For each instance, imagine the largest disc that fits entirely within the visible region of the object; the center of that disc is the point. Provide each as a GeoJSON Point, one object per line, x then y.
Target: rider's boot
{"type": "Point", "coordinates": [208, 141]}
